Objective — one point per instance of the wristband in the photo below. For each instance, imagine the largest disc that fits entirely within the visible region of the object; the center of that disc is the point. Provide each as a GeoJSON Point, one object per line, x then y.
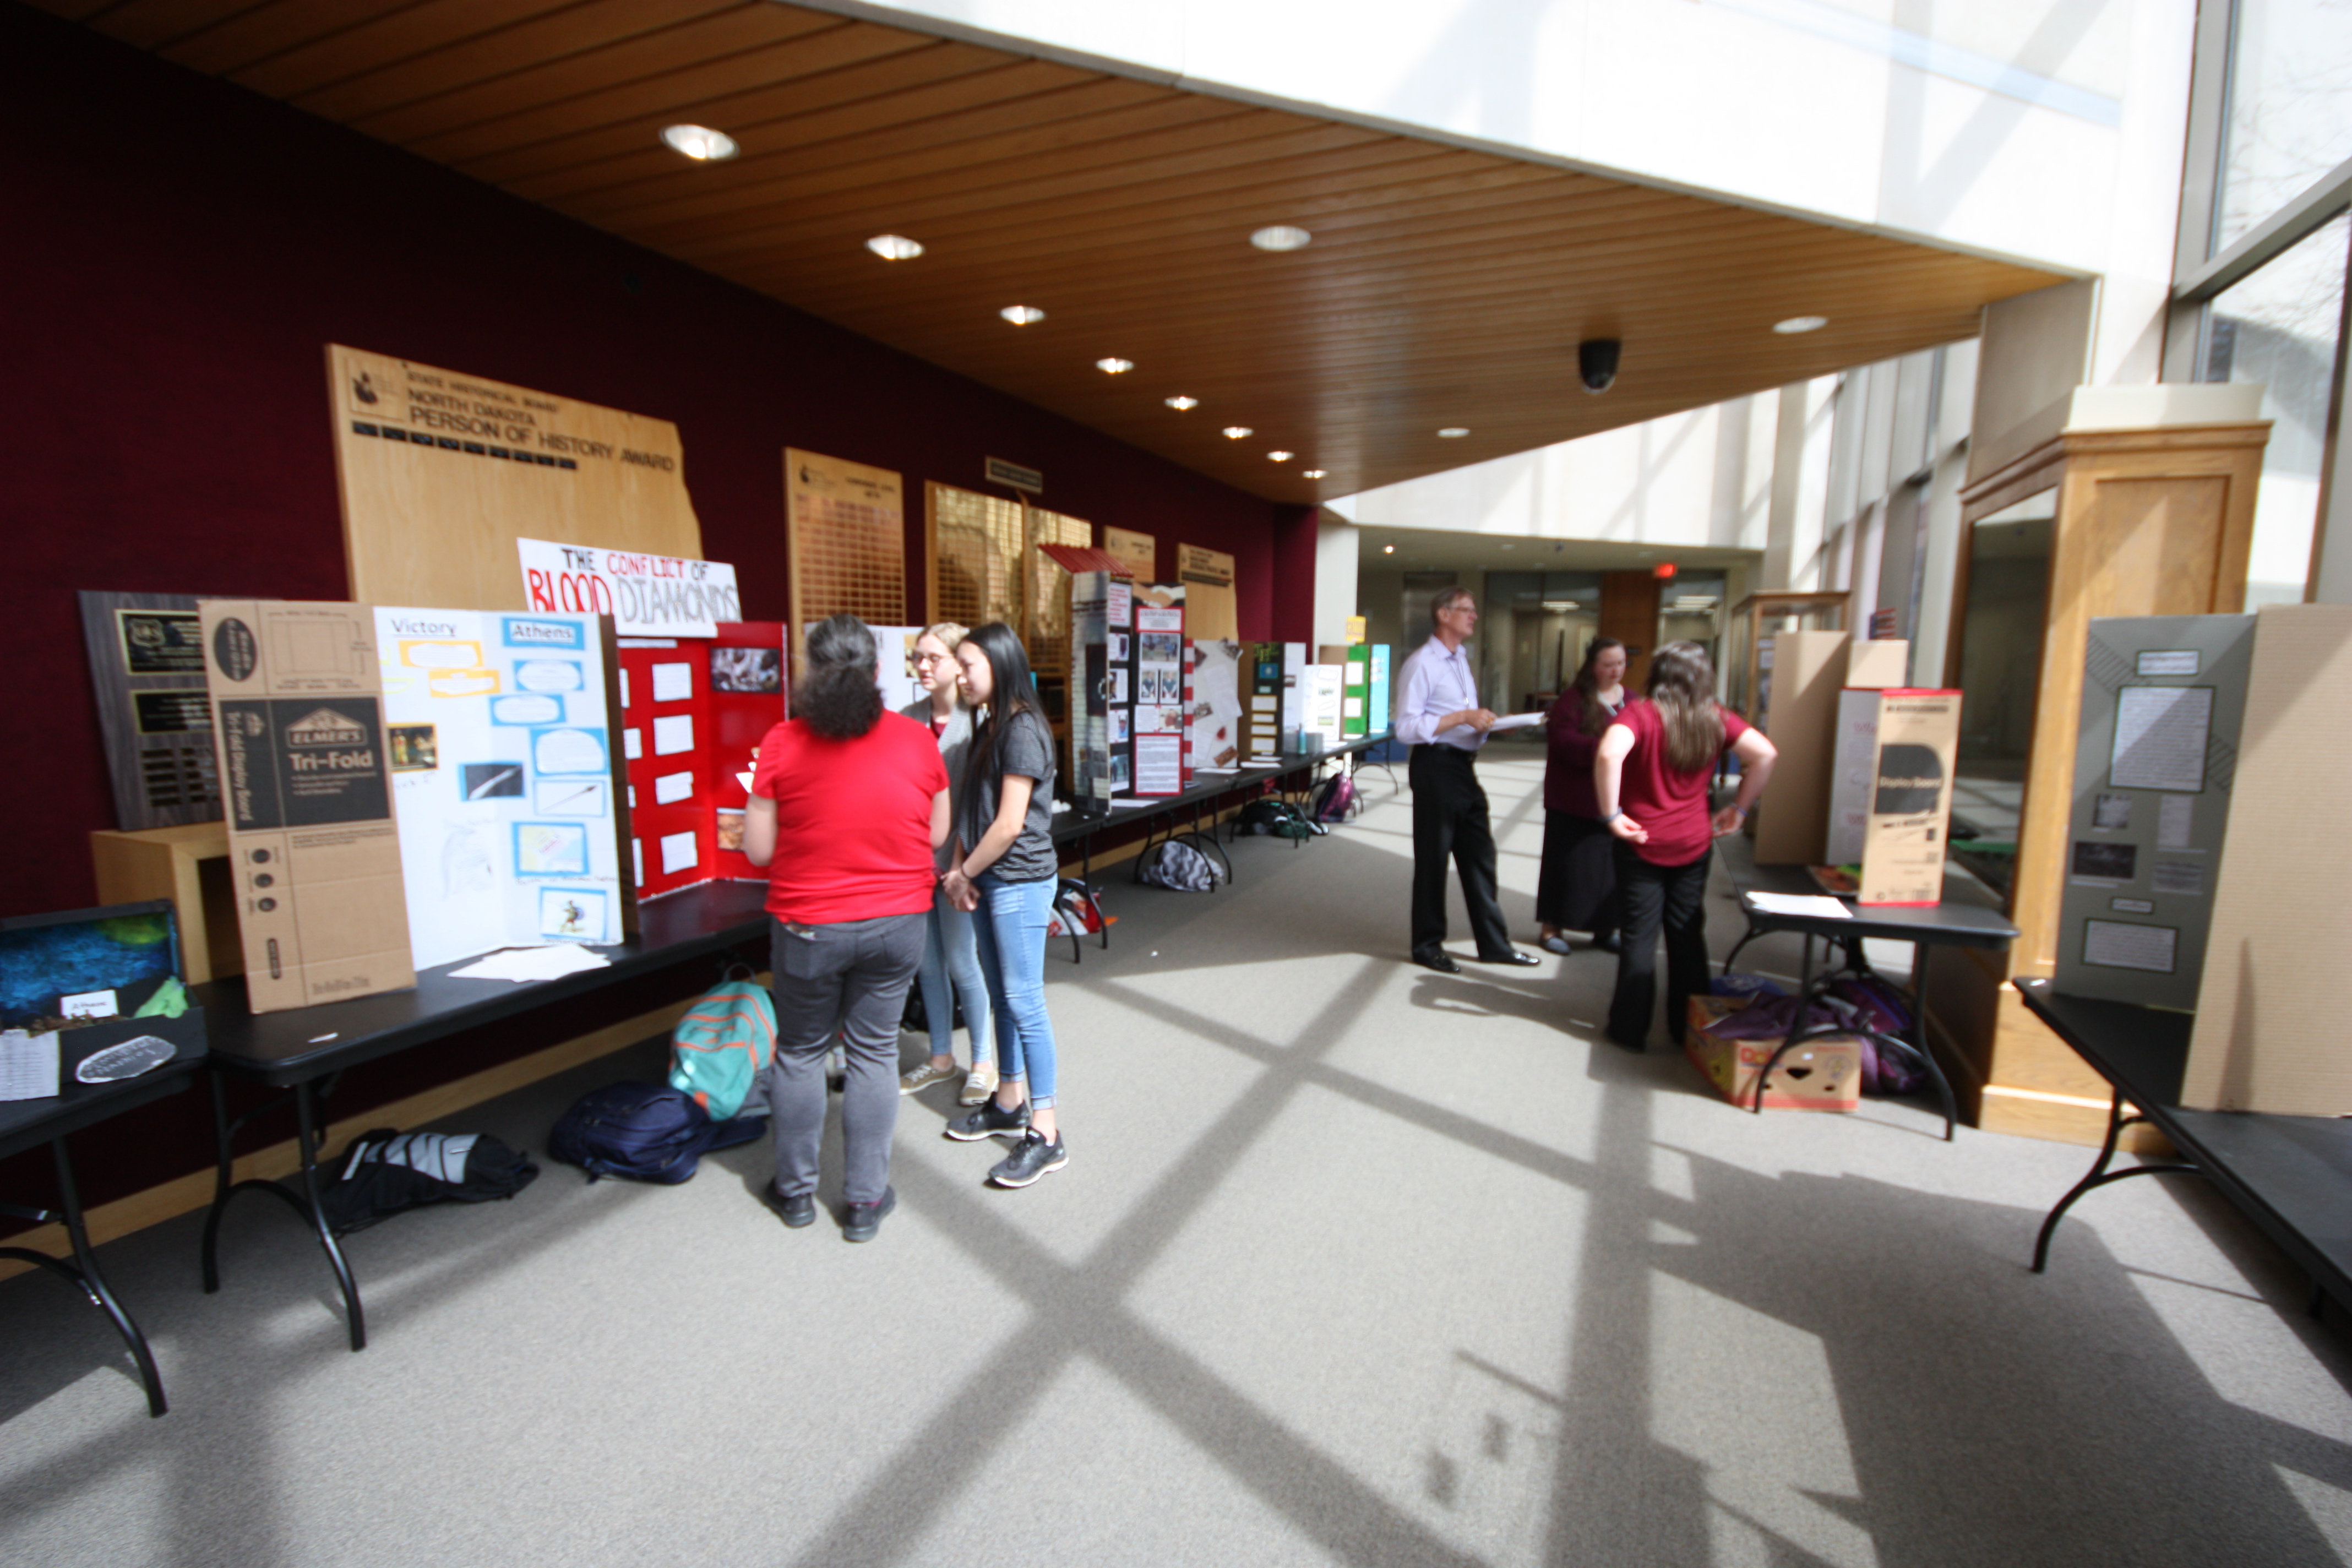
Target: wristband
{"type": "Point", "coordinates": [1610, 817]}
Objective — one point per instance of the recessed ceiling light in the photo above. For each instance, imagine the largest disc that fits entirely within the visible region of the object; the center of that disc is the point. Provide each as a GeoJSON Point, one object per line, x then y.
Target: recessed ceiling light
{"type": "Point", "coordinates": [1236, 432]}
{"type": "Point", "coordinates": [1281, 237]}
{"type": "Point", "coordinates": [1282, 457]}
{"type": "Point", "coordinates": [1022, 315]}
{"type": "Point", "coordinates": [1559, 603]}
{"type": "Point", "coordinates": [1796, 324]}
{"type": "Point", "coordinates": [1388, 550]}
{"type": "Point", "coordinates": [1114, 365]}
{"type": "Point", "coordinates": [700, 143]}
{"type": "Point", "coordinates": [1180, 402]}
{"type": "Point", "coordinates": [894, 248]}
{"type": "Point", "coordinates": [1319, 473]}
{"type": "Point", "coordinates": [1454, 432]}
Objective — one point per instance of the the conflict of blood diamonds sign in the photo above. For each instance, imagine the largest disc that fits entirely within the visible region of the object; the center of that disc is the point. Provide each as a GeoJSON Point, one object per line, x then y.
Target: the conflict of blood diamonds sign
{"type": "Point", "coordinates": [647, 596]}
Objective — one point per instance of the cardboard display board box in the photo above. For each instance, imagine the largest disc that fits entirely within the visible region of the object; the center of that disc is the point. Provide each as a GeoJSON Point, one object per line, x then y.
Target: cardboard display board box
{"type": "Point", "coordinates": [322, 906]}
{"type": "Point", "coordinates": [1878, 662]}
{"type": "Point", "coordinates": [1823, 1074]}
{"type": "Point", "coordinates": [1800, 718]}
{"type": "Point", "coordinates": [1891, 798]}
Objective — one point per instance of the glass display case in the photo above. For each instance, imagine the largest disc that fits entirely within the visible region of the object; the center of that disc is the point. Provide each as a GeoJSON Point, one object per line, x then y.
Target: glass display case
{"type": "Point", "coordinates": [1755, 621]}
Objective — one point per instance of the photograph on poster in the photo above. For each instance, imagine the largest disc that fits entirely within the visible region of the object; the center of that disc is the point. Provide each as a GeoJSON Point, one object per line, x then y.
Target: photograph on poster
{"type": "Point", "coordinates": [551, 849]}
{"type": "Point", "coordinates": [1119, 774]}
{"type": "Point", "coordinates": [2111, 813]}
{"type": "Point", "coordinates": [2104, 862]}
{"type": "Point", "coordinates": [731, 831]}
{"type": "Point", "coordinates": [1118, 641]}
{"type": "Point", "coordinates": [490, 781]}
{"type": "Point", "coordinates": [413, 748]}
{"type": "Point", "coordinates": [2115, 945]}
{"type": "Point", "coordinates": [2160, 735]}
{"type": "Point", "coordinates": [1115, 687]}
{"type": "Point", "coordinates": [575, 914]}
{"type": "Point", "coordinates": [747, 669]}
{"type": "Point", "coordinates": [570, 797]}
{"type": "Point", "coordinates": [1158, 648]}
{"type": "Point", "coordinates": [1122, 725]}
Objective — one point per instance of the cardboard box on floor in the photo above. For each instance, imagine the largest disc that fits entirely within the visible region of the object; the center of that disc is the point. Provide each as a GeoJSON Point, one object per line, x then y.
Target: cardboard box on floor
{"type": "Point", "coordinates": [1800, 718]}
{"type": "Point", "coordinates": [1823, 1074]}
{"type": "Point", "coordinates": [322, 911]}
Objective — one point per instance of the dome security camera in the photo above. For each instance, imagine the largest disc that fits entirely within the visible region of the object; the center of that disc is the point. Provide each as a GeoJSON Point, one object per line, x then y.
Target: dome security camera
{"type": "Point", "coordinates": [1596, 362]}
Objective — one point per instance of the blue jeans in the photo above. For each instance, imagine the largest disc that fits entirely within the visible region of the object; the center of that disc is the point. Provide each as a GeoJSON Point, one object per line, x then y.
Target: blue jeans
{"type": "Point", "coordinates": [951, 954]}
{"type": "Point", "coordinates": [1011, 926]}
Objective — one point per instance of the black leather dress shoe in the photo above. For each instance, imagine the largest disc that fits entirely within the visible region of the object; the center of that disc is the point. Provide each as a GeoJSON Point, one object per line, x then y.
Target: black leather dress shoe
{"type": "Point", "coordinates": [1524, 960]}
{"type": "Point", "coordinates": [1606, 943]}
{"type": "Point", "coordinates": [1438, 960]}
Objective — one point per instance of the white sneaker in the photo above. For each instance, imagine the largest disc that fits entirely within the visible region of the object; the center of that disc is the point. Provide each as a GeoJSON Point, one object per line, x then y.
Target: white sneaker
{"type": "Point", "coordinates": [923, 1076]}
{"type": "Point", "coordinates": [978, 1085]}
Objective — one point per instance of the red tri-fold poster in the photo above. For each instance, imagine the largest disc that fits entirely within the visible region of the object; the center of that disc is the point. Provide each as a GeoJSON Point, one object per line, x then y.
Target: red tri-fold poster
{"type": "Point", "coordinates": [693, 713]}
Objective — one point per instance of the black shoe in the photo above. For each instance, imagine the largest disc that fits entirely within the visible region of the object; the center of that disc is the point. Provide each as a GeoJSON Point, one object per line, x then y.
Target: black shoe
{"type": "Point", "coordinates": [865, 1219]}
{"type": "Point", "coordinates": [991, 1121]}
{"type": "Point", "coordinates": [1606, 943]}
{"type": "Point", "coordinates": [1031, 1158]}
{"type": "Point", "coordinates": [800, 1209]}
{"type": "Point", "coordinates": [1622, 1043]}
{"type": "Point", "coordinates": [1524, 960]}
{"type": "Point", "coordinates": [1436, 957]}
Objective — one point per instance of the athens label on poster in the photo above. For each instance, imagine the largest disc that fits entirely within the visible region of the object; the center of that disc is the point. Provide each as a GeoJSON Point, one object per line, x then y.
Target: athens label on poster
{"type": "Point", "coordinates": [647, 596]}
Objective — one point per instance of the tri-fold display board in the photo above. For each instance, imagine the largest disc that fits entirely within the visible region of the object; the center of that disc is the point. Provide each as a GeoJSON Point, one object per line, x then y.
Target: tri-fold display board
{"type": "Point", "coordinates": [693, 713]}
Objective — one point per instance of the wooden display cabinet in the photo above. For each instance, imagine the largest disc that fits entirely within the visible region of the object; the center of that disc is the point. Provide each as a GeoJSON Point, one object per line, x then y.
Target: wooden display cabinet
{"type": "Point", "coordinates": [2140, 522]}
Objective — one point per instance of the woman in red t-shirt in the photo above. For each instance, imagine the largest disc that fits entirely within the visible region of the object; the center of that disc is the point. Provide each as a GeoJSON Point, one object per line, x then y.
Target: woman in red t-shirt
{"type": "Point", "coordinates": [848, 805]}
{"type": "Point", "coordinates": [1650, 780]}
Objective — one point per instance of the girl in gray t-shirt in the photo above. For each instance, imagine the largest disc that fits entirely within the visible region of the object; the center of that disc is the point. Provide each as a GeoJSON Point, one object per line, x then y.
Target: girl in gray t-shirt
{"type": "Point", "coordinates": [1004, 868]}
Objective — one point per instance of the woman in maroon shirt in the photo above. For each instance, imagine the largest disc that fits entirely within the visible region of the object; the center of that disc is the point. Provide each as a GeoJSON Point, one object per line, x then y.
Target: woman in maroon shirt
{"type": "Point", "coordinates": [1650, 781]}
{"type": "Point", "coordinates": [1576, 890]}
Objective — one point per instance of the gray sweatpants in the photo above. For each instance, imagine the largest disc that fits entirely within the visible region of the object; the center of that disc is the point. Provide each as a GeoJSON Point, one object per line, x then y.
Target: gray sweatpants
{"type": "Point", "coordinates": [852, 977]}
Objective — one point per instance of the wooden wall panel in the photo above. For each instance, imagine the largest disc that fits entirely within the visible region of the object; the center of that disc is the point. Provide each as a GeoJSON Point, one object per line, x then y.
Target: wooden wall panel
{"type": "Point", "coordinates": [441, 472]}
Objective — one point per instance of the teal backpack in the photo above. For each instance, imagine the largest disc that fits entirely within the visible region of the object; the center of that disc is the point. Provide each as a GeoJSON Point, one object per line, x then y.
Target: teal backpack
{"type": "Point", "coordinates": [723, 1044]}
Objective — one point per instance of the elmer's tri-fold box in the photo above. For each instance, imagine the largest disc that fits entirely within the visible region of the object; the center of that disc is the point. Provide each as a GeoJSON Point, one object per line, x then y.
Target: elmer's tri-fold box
{"type": "Point", "coordinates": [314, 854]}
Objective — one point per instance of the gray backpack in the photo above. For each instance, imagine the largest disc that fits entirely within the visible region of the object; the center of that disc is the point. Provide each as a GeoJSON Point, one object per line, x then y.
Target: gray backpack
{"type": "Point", "coordinates": [1172, 864]}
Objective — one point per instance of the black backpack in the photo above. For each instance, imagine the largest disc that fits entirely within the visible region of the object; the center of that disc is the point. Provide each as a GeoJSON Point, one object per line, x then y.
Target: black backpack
{"type": "Point", "coordinates": [644, 1131]}
{"type": "Point", "coordinates": [387, 1172]}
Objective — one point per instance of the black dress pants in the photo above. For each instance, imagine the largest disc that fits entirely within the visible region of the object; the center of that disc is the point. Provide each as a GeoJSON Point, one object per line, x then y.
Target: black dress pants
{"type": "Point", "coordinates": [1671, 897]}
{"type": "Point", "coordinates": [1449, 819]}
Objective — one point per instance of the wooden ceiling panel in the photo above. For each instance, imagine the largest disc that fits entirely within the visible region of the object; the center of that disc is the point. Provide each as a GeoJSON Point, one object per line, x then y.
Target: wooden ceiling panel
{"type": "Point", "coordinates": [1444, 286]}
{"type": "Point", "coordinates": [437, 126]}
{"type": "Point", "coordinates": [609, 28]}
{"type": "Point", "coordinates": [842, 66]}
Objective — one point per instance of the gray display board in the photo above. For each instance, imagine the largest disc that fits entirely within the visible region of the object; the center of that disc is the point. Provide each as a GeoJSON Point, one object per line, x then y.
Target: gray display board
{"type": "Point", "coordinates": [147, 667]}
{"type": "Point", "coordinates": [2164, 702]}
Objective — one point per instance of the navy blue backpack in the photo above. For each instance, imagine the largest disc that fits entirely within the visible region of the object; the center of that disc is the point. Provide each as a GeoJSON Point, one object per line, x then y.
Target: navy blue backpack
{"type": "Point", "coordinates": [644, 1131]}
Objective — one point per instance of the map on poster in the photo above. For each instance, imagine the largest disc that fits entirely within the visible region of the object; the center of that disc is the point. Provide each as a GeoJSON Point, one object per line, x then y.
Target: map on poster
{"type": "Point", "coordinates": [501, 779]}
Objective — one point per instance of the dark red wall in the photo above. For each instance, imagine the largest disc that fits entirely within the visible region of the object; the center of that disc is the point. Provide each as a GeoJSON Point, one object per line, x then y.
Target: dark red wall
{"type": "Point", "coordinates": [179, 251]}
{"type": "Point", "coordinates": [177, 254]}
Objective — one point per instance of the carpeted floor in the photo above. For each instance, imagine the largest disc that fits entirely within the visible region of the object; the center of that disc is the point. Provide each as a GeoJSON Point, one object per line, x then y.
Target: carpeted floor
{"type": "Point", "coordinates": [1352, 1262]}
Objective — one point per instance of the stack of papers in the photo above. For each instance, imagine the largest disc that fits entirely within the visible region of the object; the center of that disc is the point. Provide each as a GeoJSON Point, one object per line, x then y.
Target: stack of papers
{"type": "Point", "coordinates": [1816, 905]}
{"type": "Point", "coordinates": [28, 1064]}
{"type": "Point", "coordinates": [520, 963]}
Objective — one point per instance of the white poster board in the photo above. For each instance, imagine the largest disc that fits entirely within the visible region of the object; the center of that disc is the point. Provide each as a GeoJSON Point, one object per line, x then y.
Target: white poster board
{"type": "Point", "coordinates": [647, 596]}
{"type": "Point", "coordinates": [501, 779]}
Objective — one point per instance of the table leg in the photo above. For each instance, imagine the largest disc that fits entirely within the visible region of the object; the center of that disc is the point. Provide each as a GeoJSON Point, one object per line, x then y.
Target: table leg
{"type": "Point", "coordinates": [2100, 1175]}
{"type": "Point", "coordinates": [1796, 1023]}
{"type": "Point", "coordinates": [304, 1115]}
{"type": "Point", "coordinates": [1918, 1043]}
{"type": "Point", "coordinates": [83, 1272]}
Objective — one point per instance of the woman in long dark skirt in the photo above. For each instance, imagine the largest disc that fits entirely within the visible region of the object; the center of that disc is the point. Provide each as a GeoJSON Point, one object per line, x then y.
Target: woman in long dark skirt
{"type": "Point", "coordinates": [1577, 889]}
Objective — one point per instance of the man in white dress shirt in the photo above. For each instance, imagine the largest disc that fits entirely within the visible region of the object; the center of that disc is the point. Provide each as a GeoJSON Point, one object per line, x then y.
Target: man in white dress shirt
{"type": "Point", "coordinates": [1439, 716]}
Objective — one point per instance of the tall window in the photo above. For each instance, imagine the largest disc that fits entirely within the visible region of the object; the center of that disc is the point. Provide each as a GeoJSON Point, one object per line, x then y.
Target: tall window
{"type": "Point", "coordinates": [2271, 282]}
